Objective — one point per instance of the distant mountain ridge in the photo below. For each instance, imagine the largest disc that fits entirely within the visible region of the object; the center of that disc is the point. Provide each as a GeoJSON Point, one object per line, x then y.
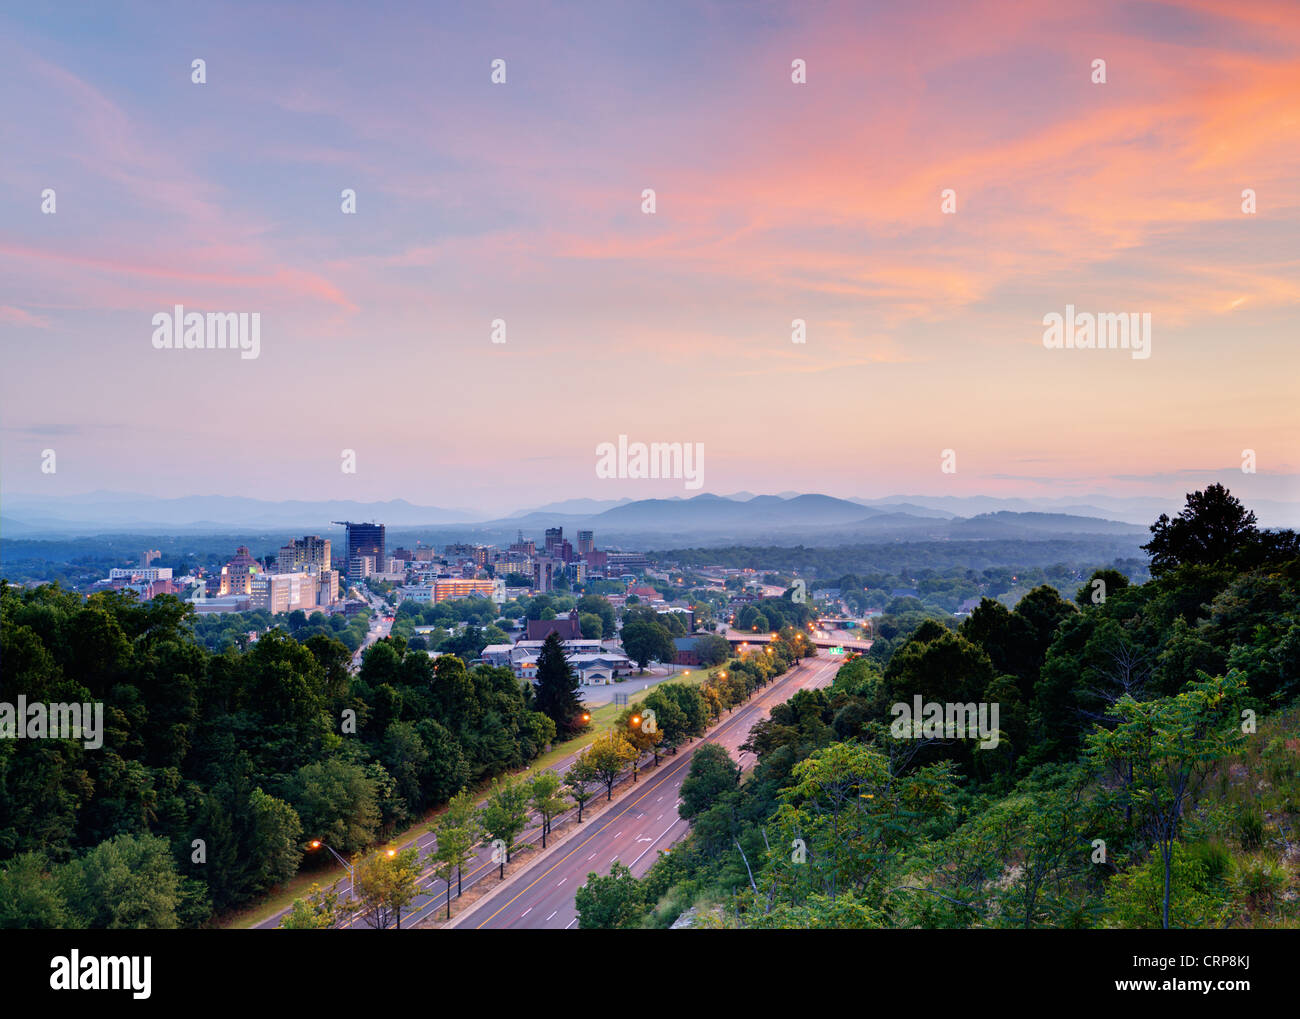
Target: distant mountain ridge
{"type": "Point", "coordinates": [786, 518]}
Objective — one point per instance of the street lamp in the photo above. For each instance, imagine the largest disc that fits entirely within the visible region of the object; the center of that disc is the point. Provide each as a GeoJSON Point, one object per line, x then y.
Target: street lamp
{"type": "Point", "coordinates": [352, 882]}
{"type": "Point", "coordinates": [635, 723]}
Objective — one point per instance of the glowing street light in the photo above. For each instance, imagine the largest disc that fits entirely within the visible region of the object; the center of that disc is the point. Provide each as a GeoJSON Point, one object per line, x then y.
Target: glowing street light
{"type": "Point", "coordinates": [352, 882]}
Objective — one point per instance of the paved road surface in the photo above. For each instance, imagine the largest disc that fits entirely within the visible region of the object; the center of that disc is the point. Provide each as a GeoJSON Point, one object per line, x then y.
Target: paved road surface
{"type": "Point", "coordinates": [812, 672]}
{"type": "Point", "coordinates": [633, 830]}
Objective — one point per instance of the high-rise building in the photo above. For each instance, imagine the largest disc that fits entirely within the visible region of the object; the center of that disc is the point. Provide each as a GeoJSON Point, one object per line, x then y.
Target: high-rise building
{"type": "Point", "coordinates": [304, 553]}
{"type": "Point", "coordinates": [527, 548]}
{"type": "Point", "coordinates": [237, 575]}
{"type": "Point", "coordinates": [364, 540]}
{"type": "Point", "coordinates": [554, 535]}
{"type": "Point", "coordinates": [544, 571]}
{"type": "Point", "coordinates": [586, 544]}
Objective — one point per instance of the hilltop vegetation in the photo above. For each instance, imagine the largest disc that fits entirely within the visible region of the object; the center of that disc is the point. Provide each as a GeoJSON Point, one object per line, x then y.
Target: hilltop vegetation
{"type": "Point", "coordinates": [1146, 771]}
{"type": "Point", "coordinates": [216, 768]}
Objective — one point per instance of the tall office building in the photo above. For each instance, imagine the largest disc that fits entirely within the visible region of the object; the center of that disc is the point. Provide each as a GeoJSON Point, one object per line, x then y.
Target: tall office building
{"type": "Point", "coordinates": [363, 540]}
{"type": "Point", "coordinates": [544, 570]}
{"type": "Point", "coordinates": [586, 544]}
{"type": "Point", "coordinates": [303, 553]}
{"type": "Point", "coordinates": [237, 575]}
{"type": "Point", "coordinates": [554, 535]}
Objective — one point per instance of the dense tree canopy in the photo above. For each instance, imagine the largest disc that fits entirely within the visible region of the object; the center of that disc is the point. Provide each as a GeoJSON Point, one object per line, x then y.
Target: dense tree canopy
{"type": "Point", "coordinates": [217, 768]}
{"type": "Point", "coordinates": [1145, 775]}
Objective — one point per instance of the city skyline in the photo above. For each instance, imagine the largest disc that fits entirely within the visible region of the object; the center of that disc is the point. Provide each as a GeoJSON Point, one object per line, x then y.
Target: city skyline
{"type": "Point", "coordinates": [775, 201]}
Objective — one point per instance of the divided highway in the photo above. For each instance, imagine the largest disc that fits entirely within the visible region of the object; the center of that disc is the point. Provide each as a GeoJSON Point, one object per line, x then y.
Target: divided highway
{"type": "Point", "coordinates": [658, 828]}
{"type": "Point", "coordinates": [632, 830]}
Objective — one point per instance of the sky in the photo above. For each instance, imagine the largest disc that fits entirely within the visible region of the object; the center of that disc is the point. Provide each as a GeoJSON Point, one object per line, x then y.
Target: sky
{"type": "Point", "coordinates": [923, 370]}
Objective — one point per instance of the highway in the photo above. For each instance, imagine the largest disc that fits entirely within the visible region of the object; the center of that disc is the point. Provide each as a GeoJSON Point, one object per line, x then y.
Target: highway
{"type": "Point", "coordinates": [732, 731]}
{"type": "Point", "coordinates": [632, 830]}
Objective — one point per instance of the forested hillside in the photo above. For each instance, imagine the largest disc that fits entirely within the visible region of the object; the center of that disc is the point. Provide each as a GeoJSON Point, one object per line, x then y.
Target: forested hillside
{"type": "Point", "coordinates": [216, 769]}
{"type": "Point", "coordinates": [1146, 771]}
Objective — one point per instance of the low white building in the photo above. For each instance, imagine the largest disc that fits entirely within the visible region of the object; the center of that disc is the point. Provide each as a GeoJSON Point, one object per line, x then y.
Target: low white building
{"type": "Point", "coordinates": [596, 663]}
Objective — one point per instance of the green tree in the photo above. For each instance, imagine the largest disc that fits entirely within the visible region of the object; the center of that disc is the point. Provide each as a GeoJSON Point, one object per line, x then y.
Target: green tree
{"type": "Point", "coordinates": [556, 688]}
{"type": "Point", "coordinates": [1155, 896]}
{"type": "Point", "coordinates": [594, 604]}
{"type": "Point", "coordinates": [30, 897]}
{"type": "Point", "coordinates": [128, 881]}
{"type": "Point", "coordinates": [609, 903]}
{"type": "Point", "coordinates": [645, 642]}
{"type": "Point", "coordinates": [1212, 525]}
{"type": "Point", "coordinates": [318, 911]}
{"type": "Point", "coordinates": [641, 726]}
{"type": "Point", "coordinates": [711, 774]}
{"type": "Point", "coordinates": [579, 779]}
{"type": "Point", "coordinates": [505, 816]}
{"type": "Point", "coordinates": [671, 720]}
{"type": "Point", "coordinates": [337, 802]}
{"type": "Point", "coordinates": [385, 883]}
{"type": "Point", "coordinates": [712, 649]}
{"type": "Point", "coordinates": [607, 756]}
{"type": "Point", "coordinates": [457, 831]}
{"type": "Point", "coordinates": [1092, 593]}
{"type": "Point", "coordinates": [1161, 751]}
{"type": "Point", "coordinates": [546, 798]}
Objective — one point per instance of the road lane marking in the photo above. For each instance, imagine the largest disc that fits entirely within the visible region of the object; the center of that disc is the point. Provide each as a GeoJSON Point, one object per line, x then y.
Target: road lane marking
{"type": "Point", "coordinates": [756, 703]}
{"type": "Point", "coordinates": [548, 919]}
{"type": "Point", "coordinates": [652, 844]}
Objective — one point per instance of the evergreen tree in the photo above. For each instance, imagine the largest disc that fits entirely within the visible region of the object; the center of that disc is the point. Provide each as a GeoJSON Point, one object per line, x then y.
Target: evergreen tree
{"type": "Point", "coordinates": [556, 689]}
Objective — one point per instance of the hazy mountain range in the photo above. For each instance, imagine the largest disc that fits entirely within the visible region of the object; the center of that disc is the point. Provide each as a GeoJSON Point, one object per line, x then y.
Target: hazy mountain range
{"type": "Point", "coordinates": [786, 519]}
